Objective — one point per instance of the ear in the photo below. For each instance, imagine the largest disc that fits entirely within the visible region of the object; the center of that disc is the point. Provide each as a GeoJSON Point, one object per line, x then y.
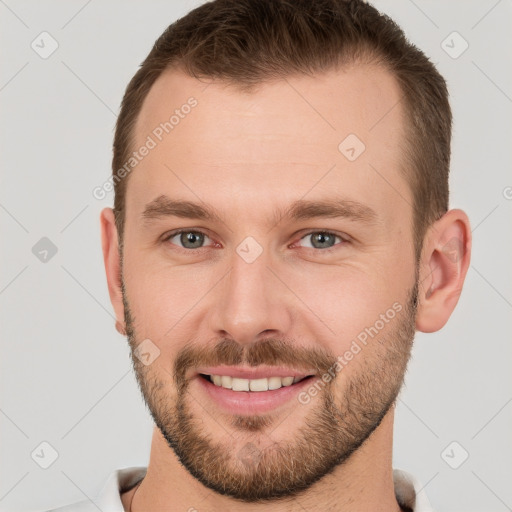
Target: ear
{"type": "Point", "coordinates": [112, 260]}
{"type": "Point", "coordinates": [443, 266]}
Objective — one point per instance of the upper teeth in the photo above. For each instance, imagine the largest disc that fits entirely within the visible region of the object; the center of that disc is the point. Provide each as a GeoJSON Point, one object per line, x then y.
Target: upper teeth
{"type": "Point", "coordinates": [252, 384]}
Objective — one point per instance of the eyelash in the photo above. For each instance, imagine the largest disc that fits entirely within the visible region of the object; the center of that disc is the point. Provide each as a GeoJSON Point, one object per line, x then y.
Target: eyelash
{"type": "Point", "coordinates": [344, 239]}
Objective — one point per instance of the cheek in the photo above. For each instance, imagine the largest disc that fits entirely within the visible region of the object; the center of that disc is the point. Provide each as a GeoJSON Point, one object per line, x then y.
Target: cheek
{"type": "Point", "coordinates": [344, 300]}
{"type": "Point", "coordinates": [162, 299]}
{"type": "Point", "coordinates": [348, 304]}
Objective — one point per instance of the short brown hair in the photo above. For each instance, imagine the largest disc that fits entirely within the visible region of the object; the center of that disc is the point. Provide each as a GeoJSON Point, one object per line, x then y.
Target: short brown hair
{"type": "Point", "coordinates": [248, 42]}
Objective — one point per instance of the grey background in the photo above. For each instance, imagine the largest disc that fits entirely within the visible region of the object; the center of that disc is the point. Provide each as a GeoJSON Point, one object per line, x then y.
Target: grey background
{"type": "Point", "coordinates": [65, 372]}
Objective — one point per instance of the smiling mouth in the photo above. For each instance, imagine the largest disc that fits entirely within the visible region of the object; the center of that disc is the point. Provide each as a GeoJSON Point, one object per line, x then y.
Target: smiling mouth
{"type": "Point", "coordinates": [256, 385]}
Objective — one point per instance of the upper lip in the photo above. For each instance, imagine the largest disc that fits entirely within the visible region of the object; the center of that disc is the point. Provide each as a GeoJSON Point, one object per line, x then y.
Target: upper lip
{"type": "Point", "coordinates": [258, 372]}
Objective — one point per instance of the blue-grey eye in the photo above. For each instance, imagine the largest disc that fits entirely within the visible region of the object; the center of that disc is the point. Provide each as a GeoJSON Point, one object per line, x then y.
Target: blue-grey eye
{"type": "Point", "coordinates": [321, 239]}
{"type": "Point", "coordinates": [188, 239]}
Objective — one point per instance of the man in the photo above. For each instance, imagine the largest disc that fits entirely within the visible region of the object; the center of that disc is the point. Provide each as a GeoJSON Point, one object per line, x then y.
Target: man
{"type": "Point", "coordinates": [280, 231]}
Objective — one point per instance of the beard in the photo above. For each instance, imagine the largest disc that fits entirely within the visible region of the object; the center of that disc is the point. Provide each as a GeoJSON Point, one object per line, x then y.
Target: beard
{"type": "Point", "coordinates": [337, 423]}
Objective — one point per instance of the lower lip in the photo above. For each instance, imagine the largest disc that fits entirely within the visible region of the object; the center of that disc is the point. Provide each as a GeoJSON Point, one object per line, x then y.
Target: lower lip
{"type": "Point", "coordinates": [252, 402]}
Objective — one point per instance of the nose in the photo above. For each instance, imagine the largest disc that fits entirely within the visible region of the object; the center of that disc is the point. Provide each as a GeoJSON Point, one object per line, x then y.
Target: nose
{"type": "Point", "coordinates": [250, 303]}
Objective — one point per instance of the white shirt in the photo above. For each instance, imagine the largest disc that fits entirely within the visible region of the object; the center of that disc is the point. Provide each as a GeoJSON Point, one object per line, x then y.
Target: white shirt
{"type": "Point", "coordinates": [408, 492]}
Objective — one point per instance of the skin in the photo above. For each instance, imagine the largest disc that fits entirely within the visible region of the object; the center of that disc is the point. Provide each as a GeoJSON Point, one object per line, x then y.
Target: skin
{"type": "Point", "coordinates": [244, 155]}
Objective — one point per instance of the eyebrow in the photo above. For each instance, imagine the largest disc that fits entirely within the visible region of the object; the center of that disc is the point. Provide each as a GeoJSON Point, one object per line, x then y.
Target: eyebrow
{"type": "Point", "coordinates": [301, 209]}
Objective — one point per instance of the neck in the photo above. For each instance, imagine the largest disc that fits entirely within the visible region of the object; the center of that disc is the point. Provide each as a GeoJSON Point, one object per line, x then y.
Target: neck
{"type": "Point", "coordinates": [364, 482]}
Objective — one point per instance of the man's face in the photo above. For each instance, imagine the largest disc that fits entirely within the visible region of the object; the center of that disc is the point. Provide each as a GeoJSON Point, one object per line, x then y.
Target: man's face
{"type": "Point", "coordinates": [323, 296]}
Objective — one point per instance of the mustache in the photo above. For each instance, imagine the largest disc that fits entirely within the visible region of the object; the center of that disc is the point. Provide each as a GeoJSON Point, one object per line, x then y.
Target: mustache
{"type": "Point", "coordinates": [271, 352]}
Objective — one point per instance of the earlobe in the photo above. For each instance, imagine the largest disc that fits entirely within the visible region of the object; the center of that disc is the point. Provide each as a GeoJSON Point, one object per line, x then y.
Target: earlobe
{"type": "Point", "coordinates": [444, 263]}
{"type": "Point", "coordinates": [111, 259]}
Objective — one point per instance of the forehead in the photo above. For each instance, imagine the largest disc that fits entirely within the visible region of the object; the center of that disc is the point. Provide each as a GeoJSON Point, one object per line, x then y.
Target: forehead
{"type": "Point", "coordinates": [286, 138]}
